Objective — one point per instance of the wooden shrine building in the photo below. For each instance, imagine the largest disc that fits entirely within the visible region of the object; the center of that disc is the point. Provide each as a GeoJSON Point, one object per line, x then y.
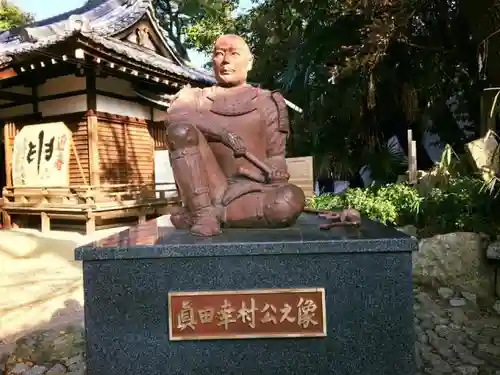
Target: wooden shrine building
{"type": "Point", "coordinates": [82, 137]}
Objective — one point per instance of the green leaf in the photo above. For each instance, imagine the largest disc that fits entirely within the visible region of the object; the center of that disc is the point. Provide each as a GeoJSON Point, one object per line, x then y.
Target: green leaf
{"type": "Point", "coordinates": [12, 16]}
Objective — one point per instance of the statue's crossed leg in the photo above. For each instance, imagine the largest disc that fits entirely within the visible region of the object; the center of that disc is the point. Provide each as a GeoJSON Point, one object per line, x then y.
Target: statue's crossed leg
{"type": "Point", "coordinates": [211, 200]}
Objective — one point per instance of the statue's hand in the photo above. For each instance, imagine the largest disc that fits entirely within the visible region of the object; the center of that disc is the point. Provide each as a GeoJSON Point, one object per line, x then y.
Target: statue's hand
{"type": "Point", "coordinates": [235, 143]}
{"type": "Point", "coordinates": [279, 175]}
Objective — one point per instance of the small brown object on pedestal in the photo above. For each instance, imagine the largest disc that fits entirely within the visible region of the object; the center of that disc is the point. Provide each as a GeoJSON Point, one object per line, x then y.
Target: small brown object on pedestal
{"type": "Point", "coordinates": [227, 145]}
{"type": "Point", "coordinates": [344, 218]}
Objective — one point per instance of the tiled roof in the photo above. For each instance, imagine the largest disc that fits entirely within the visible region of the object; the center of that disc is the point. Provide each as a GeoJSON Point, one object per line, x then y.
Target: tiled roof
{"type": "Point", "coordinates": [106, 17]}
{"type": "Point", "coordinates": [8, 50]}
{"type": "Point", "coordinates": [146, 56]}
{"type": "Point", "coordinates": [134, 52]}
{"type": "Point", "coordinates": [97, 21]}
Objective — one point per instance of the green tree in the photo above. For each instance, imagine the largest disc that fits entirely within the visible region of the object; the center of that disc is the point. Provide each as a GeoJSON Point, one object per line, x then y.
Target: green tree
{"type": "Point", "coordinates": [196, 23]}
{"type": "Point", "coordinates": [11, 16]}
{"type": "Point", "coordinates": [393, 63]}
{"type": "Point", "coordinates": [364, 70]}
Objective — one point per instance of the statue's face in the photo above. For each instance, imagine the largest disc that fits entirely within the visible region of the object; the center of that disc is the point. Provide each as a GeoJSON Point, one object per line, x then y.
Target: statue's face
{"type": "Point", "coordinates": [231, 60]}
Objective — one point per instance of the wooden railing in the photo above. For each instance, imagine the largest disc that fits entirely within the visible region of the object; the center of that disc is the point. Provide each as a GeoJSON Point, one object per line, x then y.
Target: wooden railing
{"type": "Point", "coordinates": [88, 194]}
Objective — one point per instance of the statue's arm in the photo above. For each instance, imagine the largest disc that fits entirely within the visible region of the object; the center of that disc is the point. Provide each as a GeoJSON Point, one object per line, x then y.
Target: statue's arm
{"type": "Point", "coordinates": [278, 129]}
{"type": "Point", "coordinates": [210, 130]}
{"type": "Point", "coordinates": [183, 109]}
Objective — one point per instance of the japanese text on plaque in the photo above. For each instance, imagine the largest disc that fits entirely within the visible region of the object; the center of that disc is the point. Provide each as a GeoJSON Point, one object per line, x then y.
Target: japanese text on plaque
{"type": "Point", "coordinates": [247, 314]}
{"type": "Point", "coordinates": [41, 155]}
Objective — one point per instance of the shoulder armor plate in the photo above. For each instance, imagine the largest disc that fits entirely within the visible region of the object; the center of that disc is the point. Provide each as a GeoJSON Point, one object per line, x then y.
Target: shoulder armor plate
{"type": "Point", "coordinates": [283, 122]}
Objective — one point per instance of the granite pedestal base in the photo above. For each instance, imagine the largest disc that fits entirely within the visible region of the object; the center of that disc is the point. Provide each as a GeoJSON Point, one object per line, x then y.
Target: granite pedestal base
{"type": "Point", "coordinates": [366, 273]}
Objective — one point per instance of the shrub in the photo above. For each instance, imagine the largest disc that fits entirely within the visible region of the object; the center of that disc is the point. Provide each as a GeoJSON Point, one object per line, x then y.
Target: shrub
{"type": "Point", "coordinates": [405, 198]}
{"type": "Point", "coordinates": [371, 205]}
{"type": "Point", "coordinates": [396, 204]}
{"type": "Point", "coordinates": [327, 202]}
{"type": "Point", "coordinates": [462, 204]}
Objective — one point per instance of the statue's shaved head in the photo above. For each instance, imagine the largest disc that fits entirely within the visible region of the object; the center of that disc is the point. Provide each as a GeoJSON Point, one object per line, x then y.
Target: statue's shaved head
{"type": "Point", "coordinates": [232, 41]}
{"type": "Point", "coordinates": [232, 59]}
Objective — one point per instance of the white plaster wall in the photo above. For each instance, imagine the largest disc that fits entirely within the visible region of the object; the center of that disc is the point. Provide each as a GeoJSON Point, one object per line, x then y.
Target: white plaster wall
{"type": "Point", "coordinates": [118, 106]}
{"type": "Point", "coordinates": [61, 84]}
{"type": "Point", "coordinates": [122, 107]}
{"type": "Point", "coordinates": [79, 103]}
{"type": "Point", "coordinates": [115, 85]}
{"type": "Point", "coordinates": [19, 110]}
{"type": "Point", "coordinates": [20, 90]}
{"type": "Point", "coordinates": [63, 106]}
{"type": "Point", "coordinates": [51, 107]}
{"type": "Point", "coordinates": [159, 115]}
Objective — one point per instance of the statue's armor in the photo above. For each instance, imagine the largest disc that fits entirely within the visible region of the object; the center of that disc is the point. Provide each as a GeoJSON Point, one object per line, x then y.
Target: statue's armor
{"type": "Point", "coordinates": [259, 118]}
{"type": "Point", "coordinates": [243, 111]}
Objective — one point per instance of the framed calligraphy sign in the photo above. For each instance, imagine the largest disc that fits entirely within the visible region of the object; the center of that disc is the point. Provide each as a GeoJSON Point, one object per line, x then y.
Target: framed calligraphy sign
{"type": "Point", "coordinates": [247, 314]}
{"type": "Point", "coordinates": [41, 156]}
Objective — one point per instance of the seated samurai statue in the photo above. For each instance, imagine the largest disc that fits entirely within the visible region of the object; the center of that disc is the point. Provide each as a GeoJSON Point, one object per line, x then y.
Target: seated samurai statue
{"type": "Point", "coordinates": [227, 149]}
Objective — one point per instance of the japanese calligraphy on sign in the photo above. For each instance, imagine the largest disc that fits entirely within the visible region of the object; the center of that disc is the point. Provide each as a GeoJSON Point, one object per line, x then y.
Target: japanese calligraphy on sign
{"type": "Point", "coordinates": [41, 156]}
{"type": "Point", "coordinates": [245, 314]}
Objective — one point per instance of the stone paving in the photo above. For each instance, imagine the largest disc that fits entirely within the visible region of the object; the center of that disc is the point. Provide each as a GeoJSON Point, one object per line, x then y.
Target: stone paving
{"type": "Point", "coordinates": [454, 336]}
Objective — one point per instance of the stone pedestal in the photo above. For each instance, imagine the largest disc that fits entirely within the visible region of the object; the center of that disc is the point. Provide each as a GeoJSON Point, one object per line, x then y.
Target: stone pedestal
{"type": "Point", "coordinates": [368, 304]}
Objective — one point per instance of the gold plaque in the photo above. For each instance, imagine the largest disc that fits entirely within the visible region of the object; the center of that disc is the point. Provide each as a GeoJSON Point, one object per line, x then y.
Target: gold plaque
{"type": "Point", "coordinates": [247, 314]}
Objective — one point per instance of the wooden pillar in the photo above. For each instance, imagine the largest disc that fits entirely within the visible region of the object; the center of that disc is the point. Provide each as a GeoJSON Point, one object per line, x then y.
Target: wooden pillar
{"type": "Point", "coordinates": [412, 159]}
{"type": "Point", "coordinates": [34, 98]}
{"type": "Point", "coordinates": [91, 85]}
{"type": "Point", "coordinates": [482, 115]}
{"type": "Point", "coordinates": [93, 139]}
{"type": "Point", "coordinates": [90, 223]}
{"type": "Point", "coordinates": [6, 220]}
{"type": "Point", "coordinates": [142, 216]}
{"type": "Point", "coordinates": [489, 102]}
{"type": "Point", "coordinates": [45, 222]}
{"type": "Point", "coordinates": [8, 134]}
{"type": "Point", "coordinates": [92, 122]}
